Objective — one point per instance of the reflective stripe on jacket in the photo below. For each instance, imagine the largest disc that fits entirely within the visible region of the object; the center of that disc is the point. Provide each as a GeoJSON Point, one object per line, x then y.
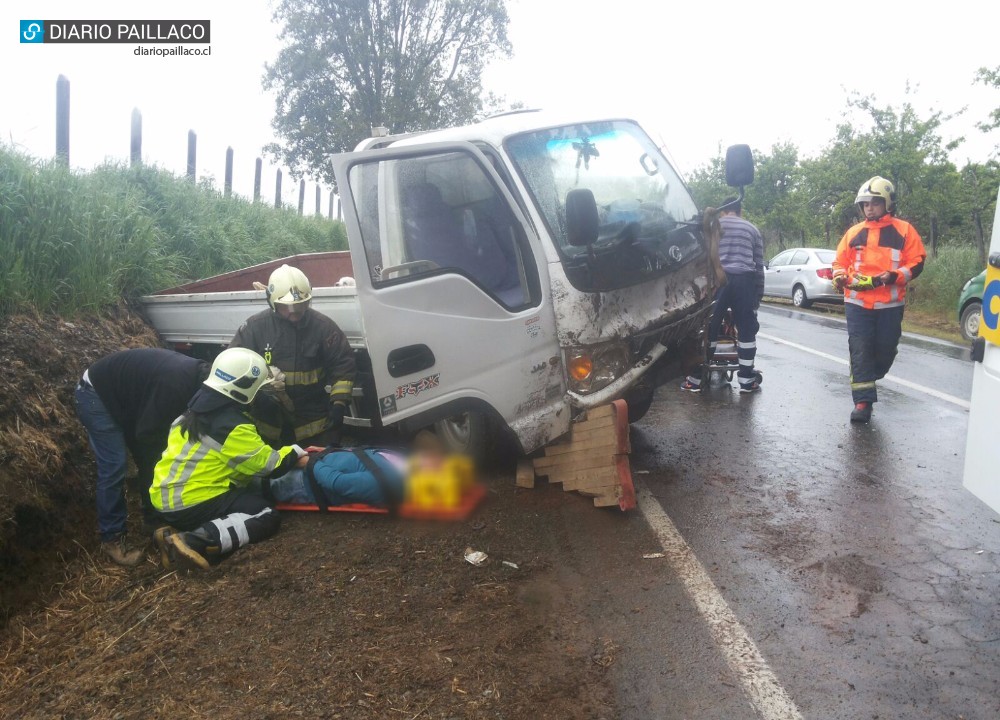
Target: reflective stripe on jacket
{"type": "Point", "coordinates": [316, 358]}
{"type": "Point", "coordinates": [874, 247]}
{"type": "Point", "coordinates": [230, 453]}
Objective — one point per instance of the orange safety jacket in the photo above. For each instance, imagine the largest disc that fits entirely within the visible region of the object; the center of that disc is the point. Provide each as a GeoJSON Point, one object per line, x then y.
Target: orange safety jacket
{"type": "Point", "coordinates": [873, 247]}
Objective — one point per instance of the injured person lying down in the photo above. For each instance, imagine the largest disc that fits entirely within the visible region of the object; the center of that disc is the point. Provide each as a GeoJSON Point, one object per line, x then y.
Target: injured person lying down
{"type": "Point", "coordinates": [342, 476]}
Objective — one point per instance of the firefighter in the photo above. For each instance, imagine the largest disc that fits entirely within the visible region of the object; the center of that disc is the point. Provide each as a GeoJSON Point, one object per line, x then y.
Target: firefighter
{"type": "Point", "coordinates": [213, 452]}
{"type": "Point", "coordinates": [126, 401]}
{"type": "Point", "coordinates": [875, 260]}
{"type": "Point", "coordinates": [313, 354]}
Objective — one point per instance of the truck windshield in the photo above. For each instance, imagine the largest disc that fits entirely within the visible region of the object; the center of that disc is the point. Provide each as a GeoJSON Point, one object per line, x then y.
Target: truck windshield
{"type": "Point", "coordinates": [646, 217]}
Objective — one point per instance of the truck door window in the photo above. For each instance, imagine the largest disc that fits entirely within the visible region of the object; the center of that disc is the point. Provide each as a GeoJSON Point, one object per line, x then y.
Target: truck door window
{"type": "Point", "coordinates": [441, 214]}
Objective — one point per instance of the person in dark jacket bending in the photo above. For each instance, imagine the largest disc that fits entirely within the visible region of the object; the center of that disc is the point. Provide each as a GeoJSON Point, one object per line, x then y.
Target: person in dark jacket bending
{"type": "Point", "coordinates": [313, 355]}
{"type": "Point", "coordinates": [126, 401]}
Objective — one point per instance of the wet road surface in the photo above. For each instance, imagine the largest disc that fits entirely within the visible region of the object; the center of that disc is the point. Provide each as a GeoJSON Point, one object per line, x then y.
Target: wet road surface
{"type": "Point", "coordinates": [848, 558]}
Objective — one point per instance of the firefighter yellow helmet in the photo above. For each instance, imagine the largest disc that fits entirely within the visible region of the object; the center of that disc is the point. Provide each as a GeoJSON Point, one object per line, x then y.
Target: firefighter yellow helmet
{"type": "Point", "coordinates": [878, 187]}
{"type": "Point", "coordinates": [288, 286]}
{"type": "Point", "coordinates": [238, 373]}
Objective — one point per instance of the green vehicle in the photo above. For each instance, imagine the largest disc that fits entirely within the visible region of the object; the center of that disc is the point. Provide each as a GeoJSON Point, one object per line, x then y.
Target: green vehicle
{"type": "Point", "coordinates": [970, 306]}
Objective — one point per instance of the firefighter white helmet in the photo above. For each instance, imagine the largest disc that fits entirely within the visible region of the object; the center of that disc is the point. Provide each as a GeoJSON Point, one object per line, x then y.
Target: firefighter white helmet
{"type": "Point", "coordinates": [288, 286]}
{"type": "Point", "coordinates": [238, 373]}
{"type": "Point", "coordinates": [878, 187]}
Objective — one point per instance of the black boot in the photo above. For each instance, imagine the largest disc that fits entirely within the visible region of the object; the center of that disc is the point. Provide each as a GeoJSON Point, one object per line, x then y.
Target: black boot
{"type": "Point", "coordinates": [196, 549]}
{"type": "Point", "coordinates": [861, 413]}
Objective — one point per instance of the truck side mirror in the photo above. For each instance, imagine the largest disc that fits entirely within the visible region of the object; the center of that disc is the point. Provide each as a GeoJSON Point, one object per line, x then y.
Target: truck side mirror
{"type": "Point", "coordinates": [581, 217]}
{"type": "Point", "coordinates": [739, 165]}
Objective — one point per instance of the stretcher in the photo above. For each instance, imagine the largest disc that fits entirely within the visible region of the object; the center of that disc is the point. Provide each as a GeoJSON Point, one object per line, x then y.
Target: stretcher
{"type": "Point", "coordinates": [725, 361]}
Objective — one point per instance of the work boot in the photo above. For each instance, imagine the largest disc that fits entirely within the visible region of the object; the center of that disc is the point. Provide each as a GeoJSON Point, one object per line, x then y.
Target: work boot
{"type": "Point", "coordinates": [118, 551]}
{"type": "Point", "coordinates": [862, 412]}
{"type": "Point", "coordinates": [195, 549]}
{"type": "Point", "coordinates": [162, 539]}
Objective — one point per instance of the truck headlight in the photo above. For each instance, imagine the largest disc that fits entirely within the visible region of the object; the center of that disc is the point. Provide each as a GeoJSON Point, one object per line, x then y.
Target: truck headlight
{"type": "Point", "coordinates": [595, 367]}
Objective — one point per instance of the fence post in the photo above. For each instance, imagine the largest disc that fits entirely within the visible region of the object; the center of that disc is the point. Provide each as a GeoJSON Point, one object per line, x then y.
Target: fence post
{"type": "Point", "coordinates": [228, 188]}
{"type": "Point", "coordinates": [192, 154]}
{"type": "Point", "coordinates": [256, 181]}
{"type": "Point", "coordinates": [318, 203]}
{"type": "Point", "coordinates": [329, 213]}
{"type": "Point", "coordinates": [62, 120]}
{"type": "Point", "coordinates": [302, 194]}
{"type": "Point", "coordinates": [277, 190]}
{"type": "Point", "coordinates": [934, 236]}
{"type": "Point", "coordinates": [135, 145]}
{"type": "Point", "coordinates": [340, 208]}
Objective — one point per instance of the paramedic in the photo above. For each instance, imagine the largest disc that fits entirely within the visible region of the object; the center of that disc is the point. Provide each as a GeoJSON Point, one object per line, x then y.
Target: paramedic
{"type": "Point", "coordinates": [126, 401]}
{"type": "Point", "coordinates": [875, 260]}
{"type": "Point", "coordinates": [312, 353]}
{"type": "Point", "coordinates": [213, 452]}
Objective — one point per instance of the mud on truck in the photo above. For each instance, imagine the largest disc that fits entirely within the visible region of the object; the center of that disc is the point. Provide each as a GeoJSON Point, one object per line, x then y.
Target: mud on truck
{"type": "Point", "coordinates": [507, 276]}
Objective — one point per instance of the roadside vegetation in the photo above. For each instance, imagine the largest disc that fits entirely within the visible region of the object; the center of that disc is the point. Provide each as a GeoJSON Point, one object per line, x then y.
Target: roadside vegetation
{"type": "Point", "coordinates": [80, 242]}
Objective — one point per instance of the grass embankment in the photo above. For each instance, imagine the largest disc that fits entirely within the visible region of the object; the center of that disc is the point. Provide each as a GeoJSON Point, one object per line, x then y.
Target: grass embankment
{"type": "Point", "coordinates": [81, 242]}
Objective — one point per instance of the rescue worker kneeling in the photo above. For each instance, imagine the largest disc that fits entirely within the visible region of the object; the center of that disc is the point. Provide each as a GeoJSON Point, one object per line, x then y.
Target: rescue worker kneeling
{"type": "Point", "coordinates": [213, 452]}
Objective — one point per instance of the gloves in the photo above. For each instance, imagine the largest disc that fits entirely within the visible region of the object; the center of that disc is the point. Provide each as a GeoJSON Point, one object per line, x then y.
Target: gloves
{"type": "Point", "coordinates": [863, 282]}
{"type": "Point", "coordinates": [335, 421]}
{"type": "Point", "coordinates": [279, 378]}
{"type": "Point", "coordinates": [839, 282]}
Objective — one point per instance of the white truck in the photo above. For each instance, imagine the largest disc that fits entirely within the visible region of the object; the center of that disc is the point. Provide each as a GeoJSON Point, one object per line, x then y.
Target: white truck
{"type": "Point", "coordinates": [507, 275]}
{"type": "Point", "coordinates": [982, 450]}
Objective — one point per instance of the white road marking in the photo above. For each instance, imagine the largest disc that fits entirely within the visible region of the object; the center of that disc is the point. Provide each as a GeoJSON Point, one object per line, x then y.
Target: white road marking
{"type": "Point", "coordinates": [759, 683]}
{"type": "Point", "coordinates": [889, 378]}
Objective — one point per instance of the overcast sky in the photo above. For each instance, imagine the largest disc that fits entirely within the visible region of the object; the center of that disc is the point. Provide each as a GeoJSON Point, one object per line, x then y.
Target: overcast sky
{"type": "Point", "coordinates": [697, 75]}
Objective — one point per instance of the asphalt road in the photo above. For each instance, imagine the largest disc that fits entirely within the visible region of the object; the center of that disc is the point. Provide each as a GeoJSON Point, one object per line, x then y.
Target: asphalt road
{"type": "Point", "coordinates": [810, 568]}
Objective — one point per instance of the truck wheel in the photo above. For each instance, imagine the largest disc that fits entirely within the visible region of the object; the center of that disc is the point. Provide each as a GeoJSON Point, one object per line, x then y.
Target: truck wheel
{"type": "Point", "coordinates": [970, 320]}
{"type": "Point", "coordinates": [639, 402]}
{"type": "Point", "coordinates": [465, 434]}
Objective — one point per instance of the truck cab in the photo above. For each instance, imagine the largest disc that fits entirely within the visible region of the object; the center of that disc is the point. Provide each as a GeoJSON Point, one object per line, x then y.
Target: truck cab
{"type": "Point", "coordinates": [515, 272]}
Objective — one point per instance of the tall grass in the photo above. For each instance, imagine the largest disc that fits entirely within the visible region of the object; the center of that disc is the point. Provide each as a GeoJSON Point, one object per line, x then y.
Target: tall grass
{"type": "Point", "coordinates": [74, 242]}
{"type": "Point", "coordinates": [939, 285]}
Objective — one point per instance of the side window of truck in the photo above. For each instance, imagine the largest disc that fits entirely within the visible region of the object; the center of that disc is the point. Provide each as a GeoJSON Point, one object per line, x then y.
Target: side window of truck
{"type": "Point", "coordinates": [441, 214]}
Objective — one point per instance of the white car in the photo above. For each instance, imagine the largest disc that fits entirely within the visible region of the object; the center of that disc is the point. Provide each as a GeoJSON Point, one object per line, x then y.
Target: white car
{"type": "Point", "coordinates": [804, 275]}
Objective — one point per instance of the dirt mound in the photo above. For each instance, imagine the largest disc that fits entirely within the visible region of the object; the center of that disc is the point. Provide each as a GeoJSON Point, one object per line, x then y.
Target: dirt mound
{"type": "Point", "coordinates": [46, 469]}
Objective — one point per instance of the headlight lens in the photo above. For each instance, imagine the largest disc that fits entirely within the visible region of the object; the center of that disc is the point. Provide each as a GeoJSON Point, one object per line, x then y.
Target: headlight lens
{"type": "Point", "coordinates": [593, 368]}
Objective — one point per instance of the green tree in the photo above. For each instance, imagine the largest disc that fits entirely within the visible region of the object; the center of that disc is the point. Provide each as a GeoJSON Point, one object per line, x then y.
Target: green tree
{"type": "Point", "coordinates": [990, 78]}
{"type": "Point", "coordinates": [350, 65]}
{"type": "Point", "coordinates": [899, 145]}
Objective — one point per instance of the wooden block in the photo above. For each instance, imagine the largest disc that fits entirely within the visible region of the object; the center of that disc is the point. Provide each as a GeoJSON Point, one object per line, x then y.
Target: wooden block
{"type": "Point", "coordinates": [599, 412]}
{"type": "Point", "coordinates": [587, 445]}
{"type": "Point", "coordinates": [574, 461]}
{"type": "Point", "coordinates": [603, 422]}
{"type": "Point", "coordinates": [588, 477]}
{"type": "Point", "coordinates": [525, 474]}
{"type": "Point", "coordinates": [606, 500]}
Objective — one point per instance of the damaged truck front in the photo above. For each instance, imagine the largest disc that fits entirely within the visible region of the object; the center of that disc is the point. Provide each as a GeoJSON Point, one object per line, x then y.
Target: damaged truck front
{"type": "Point", "coordinates": [516, 271]}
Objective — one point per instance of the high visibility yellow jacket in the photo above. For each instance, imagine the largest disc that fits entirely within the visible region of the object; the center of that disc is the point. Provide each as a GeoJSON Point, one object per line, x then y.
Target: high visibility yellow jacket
{"type": "Point", "coordinates": [230, 453]}
{"type": "Point", "coordinates": [873, 247]}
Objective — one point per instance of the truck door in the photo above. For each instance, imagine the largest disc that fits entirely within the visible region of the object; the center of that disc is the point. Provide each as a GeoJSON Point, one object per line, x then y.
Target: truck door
{"type": "Point", "coordinates": [453, 291]}
{"type": "Point", "coordinates": [982, 449]}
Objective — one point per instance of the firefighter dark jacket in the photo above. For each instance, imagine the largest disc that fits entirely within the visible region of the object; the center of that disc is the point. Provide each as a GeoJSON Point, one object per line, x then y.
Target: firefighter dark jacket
{"type": "Point", "coordinates": [317, 361]}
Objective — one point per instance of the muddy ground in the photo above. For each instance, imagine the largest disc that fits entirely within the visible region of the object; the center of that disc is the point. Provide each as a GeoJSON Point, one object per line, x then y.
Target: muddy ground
{"type": "Point", "coordinates": [338, 616]}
